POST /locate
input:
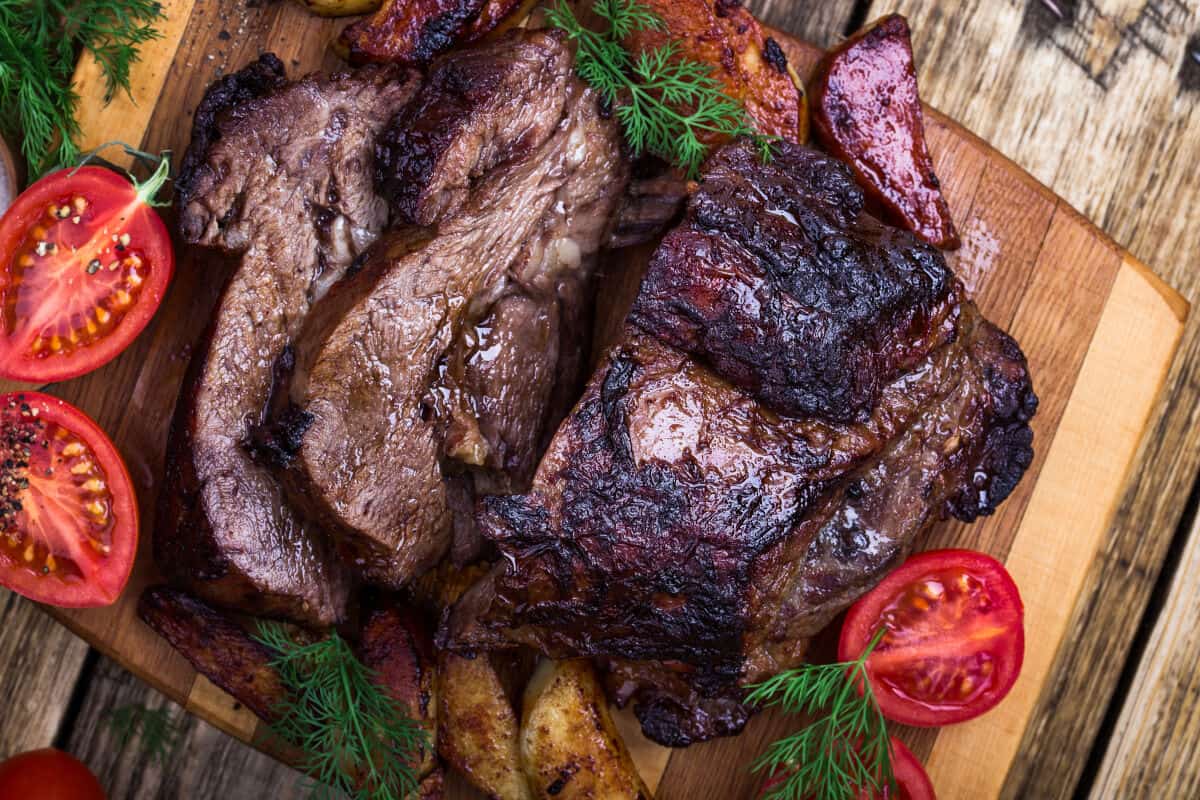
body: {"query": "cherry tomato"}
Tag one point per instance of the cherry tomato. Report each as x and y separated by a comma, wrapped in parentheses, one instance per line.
(68, 513)
(911, 780)
(47, 775)
(84, 264)
(953, 641)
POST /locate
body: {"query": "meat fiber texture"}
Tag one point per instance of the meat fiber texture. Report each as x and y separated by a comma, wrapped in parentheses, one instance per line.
(800, 391)
(438, 370)
(279, 175)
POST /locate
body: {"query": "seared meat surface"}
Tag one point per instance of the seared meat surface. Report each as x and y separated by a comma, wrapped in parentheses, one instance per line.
(440, 368)
(280, 174)
(799, 392)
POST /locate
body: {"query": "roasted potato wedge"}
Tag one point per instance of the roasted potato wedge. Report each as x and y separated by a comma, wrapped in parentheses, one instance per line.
(478, 735)
(866, 111)
(217, 646)
(569, 746)
(497, 17)
(396, 645)
(340, 8)
(752, 67)
(412, 32)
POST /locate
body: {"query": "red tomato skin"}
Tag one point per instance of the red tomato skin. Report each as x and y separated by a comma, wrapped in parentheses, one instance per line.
(125, 536)
(862, 621)
(911, 779)
(48, 775)
(25, 212)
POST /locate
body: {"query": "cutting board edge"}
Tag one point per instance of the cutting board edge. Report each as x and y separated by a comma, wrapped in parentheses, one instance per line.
(1174, 303)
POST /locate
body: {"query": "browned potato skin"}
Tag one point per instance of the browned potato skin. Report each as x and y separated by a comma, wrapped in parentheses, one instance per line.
(752, 68)
(340, 8)
(412, 32)
(569, 746)
(497, 17)
(396, 645)
(478, 735)
(218, 647)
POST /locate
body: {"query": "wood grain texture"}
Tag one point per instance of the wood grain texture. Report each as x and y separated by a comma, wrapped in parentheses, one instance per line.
(1155, 745)
(1098, 104)
(41, 663)
(1035, 287)
(207, 763)
(822, 23)
(126, 115)
(1009, 218)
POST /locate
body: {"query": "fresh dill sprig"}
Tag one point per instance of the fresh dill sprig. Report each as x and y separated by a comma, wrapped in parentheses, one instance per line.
(157, 733)
(664, 101)
(40, 42)
(356, 738)
(845, 751)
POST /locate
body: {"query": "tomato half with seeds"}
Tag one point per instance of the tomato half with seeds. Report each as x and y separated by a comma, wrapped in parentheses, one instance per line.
(953, 637)
(912, 782)
(68, 513)
(84, 264)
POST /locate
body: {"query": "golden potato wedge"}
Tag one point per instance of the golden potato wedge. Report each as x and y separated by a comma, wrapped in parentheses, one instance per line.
(498, 16)
(753, 68)
(569, 746)
(412, 32)
(478, 731)
(340, 8)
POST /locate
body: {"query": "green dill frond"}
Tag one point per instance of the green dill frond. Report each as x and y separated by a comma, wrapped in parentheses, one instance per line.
(845, 750)
(40, 42)
(356, 738)
(665, 102)
(156, 731)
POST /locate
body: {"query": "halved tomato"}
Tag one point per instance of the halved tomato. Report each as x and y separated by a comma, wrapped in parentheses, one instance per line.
(953, 640)
(68, 513)
(912, 783)
(84, 264)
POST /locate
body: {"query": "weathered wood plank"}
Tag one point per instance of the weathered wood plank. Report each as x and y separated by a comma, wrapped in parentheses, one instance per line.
(207, 763)
(821, 23)
(1155, 745)
(39, 664)
(1099, 102)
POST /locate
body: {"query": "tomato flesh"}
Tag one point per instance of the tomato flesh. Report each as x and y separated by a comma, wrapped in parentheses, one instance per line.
(68, 516)
(953, 637)
(912, 783)
(47, 774)
(84, 264)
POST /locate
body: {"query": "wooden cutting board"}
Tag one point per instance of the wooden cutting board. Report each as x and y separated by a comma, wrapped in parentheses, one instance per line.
(1098, 327)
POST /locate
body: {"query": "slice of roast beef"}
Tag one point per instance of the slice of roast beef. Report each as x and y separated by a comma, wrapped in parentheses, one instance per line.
(799, 392)
(281, 175)
(441, 367)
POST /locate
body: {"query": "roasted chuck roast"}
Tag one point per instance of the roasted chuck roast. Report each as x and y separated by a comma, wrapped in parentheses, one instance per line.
(281, 175)
(799, 392)
(441, 368)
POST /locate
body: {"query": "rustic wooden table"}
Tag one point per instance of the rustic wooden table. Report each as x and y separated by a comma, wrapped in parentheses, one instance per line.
(1098, 99)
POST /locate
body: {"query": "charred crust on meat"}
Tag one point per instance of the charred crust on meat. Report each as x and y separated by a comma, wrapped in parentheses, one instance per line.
(258, 78)
(773, 54)
(612, 392)
(668, 722)
(713, 502)
(439, 33)
(414, 166)
(818, 313)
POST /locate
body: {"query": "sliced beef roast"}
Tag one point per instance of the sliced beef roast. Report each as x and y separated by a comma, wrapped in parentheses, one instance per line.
(280, 174)
(441, 367)
(799, 392)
